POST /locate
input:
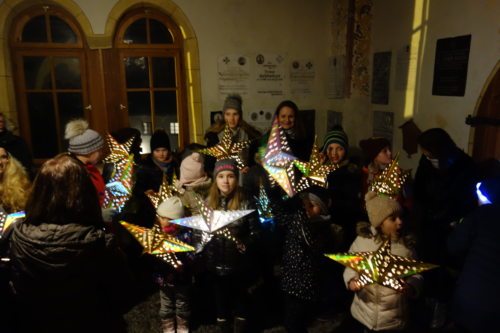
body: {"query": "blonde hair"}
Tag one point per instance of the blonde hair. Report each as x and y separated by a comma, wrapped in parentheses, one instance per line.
(14, 186)
(235, 199)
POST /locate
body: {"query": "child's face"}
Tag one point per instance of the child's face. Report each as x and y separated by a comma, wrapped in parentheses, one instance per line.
(312, 210)
(384, 156)
(392, 226)
(226, 182)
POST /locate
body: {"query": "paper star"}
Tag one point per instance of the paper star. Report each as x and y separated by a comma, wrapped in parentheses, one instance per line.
(314, 170)
(264, 206)
(166, 191)
(117, 151)
(381, 266)
(227, 148)
(390, 181)
(278, 160)
(7, 220)
(211, 220)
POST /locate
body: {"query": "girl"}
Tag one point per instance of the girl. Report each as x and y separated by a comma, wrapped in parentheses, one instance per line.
(376, 307)
(229, 261)
(378, 156)
(14, 183)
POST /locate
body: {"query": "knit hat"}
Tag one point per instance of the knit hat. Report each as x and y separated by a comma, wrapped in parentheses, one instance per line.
(82, 139)
(233, 102)
(379, 207)
(171, 208)
(226, 164)
(192, 168)
(372, 146)
(160, 140)
(318, 196)
(336, 135)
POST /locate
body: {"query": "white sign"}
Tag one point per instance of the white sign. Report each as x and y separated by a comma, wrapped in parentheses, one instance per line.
(302, 74)
(269, 70)
(234, 74)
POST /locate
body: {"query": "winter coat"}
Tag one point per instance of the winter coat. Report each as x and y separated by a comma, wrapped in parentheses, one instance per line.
(375, 306)
(476, 241)
(189, 193)
(67, 278)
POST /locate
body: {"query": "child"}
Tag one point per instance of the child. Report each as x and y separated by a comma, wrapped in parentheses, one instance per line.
(377, 307)
(174, 293)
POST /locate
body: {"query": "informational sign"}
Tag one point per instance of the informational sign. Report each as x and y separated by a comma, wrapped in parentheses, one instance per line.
(270, 73)
(302, 74)
(234, 74)
(383, 124)
(380, 78)
(450, 67)
(336, 77)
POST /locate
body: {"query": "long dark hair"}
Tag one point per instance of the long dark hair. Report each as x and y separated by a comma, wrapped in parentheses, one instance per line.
(63, 193)
(298, 126)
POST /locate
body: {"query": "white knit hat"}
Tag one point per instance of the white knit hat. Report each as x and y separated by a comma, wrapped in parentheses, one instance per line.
(171, 208)
(82, 139)
(380, 207)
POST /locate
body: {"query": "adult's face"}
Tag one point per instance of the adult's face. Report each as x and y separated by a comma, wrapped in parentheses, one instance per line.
(4, 160)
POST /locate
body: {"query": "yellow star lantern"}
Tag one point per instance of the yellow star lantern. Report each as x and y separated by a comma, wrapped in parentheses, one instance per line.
(314, 170)
(390, 181)
(158, 243)
(117, 152)
(166, 191)
(381, 266)
(227, 149)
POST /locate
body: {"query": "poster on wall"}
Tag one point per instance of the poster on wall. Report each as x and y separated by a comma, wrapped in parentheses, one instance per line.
(233, 74)
(270, 72)
(383, 123)
(380, 77)
(334, 118)
(336, 77)
(302, 74)
(450, 66)
(261, 119)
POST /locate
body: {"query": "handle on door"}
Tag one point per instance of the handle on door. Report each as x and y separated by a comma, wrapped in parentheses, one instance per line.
(123, 107)
(88, 107)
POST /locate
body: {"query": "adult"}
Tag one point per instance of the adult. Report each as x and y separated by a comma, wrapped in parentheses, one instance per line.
(67, 273)
(14, 183)
(444, 192)
(15, 145)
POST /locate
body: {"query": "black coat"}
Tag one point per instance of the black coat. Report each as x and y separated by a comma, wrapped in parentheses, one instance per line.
(67, 278)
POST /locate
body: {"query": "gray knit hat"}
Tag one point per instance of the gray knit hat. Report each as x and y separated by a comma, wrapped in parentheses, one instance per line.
(233, 102)
(82, 139)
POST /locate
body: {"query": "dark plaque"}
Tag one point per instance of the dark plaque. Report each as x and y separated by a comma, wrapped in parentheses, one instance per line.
(380, 79)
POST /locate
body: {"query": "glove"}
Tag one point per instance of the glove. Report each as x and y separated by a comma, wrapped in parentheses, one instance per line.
(108, 213)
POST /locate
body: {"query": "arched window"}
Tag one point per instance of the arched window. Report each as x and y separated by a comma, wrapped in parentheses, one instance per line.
(149, 46)
(48, 56)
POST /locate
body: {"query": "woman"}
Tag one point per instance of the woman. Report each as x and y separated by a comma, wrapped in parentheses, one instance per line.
(67, 274)
(14, 183)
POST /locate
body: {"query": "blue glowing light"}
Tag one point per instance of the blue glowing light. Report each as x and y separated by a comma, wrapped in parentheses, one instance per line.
(483, 199)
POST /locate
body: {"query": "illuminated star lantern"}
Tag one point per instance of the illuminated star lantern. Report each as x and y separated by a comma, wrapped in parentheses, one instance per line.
(7, 220)
(166, 191)
(381, 266)
(117, 151)
(158, 243)
(314, 170)
(211, 220)
(278, 160)
(390, 181)
(227, 148)
(264, 206)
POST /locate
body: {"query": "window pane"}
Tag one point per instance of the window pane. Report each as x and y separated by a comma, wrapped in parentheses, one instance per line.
(35, 30)
(42, 124)
(37, 72)
(67, 72)
(139, 115)
(136, 71)
(61, 31)
(166, 113)
(164, 72)
(136, 33)
(159, 34)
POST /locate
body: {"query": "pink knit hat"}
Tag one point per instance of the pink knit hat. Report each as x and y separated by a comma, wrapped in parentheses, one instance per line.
(192, 168)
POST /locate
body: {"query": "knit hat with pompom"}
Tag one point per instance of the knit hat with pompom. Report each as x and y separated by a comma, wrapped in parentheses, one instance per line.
(82, 139)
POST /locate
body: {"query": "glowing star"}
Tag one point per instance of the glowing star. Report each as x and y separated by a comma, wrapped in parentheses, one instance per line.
(7, 220)
(314, 170)
(264, 206)
(278, 160)
(166, 191)
(390, 181)
(381, 266)
(227, 149)
(211, 220)
(117, 151)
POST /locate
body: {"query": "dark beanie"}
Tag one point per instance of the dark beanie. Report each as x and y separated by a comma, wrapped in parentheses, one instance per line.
(160, 140)
(226, 165)
(372, 146)
(233, 102)
(336, 135)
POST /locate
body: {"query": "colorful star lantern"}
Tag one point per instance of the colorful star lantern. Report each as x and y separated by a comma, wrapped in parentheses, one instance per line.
(264, 207)
(158, 243)
(314, 170)
(227, 148)
(166, 191)
(7, 220)
(381, 266)
(390, 181)
(211, 220)
(278, 160)
(119, 188)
